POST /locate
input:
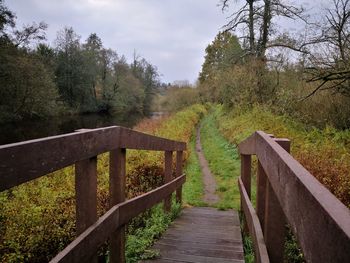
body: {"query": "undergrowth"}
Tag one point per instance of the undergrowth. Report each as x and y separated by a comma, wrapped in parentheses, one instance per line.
(37, 219)
(224, 163)
(194, 188)
(141, 238)
(324, 152)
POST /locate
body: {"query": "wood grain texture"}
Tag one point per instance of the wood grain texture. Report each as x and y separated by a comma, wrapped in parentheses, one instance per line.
(247, 147)
(312, 211)
(168, 173)
(202, 235)
(178, 172)
(255, 230)
(86, 193)
(261, 181)
(274, 226)
(86, 244)
(25, 161)
(117, 181)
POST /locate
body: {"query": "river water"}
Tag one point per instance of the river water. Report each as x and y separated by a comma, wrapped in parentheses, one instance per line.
(32, 129)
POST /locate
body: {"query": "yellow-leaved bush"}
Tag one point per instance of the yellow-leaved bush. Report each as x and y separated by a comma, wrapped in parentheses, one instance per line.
(324, 152)
(37, 219)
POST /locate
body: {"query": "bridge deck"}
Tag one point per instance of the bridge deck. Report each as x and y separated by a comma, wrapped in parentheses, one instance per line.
(202, 235)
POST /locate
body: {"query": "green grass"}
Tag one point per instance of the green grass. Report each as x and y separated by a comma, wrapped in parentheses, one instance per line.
(224, 163)
(37, 219)
(142, 238)
(325, 153)
(193, 188)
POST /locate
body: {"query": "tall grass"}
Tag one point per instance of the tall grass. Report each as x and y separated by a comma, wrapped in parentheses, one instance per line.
(324, 152)
(37, 219)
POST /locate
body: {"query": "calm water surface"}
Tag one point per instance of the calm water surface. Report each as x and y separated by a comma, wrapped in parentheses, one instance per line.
(27, 130)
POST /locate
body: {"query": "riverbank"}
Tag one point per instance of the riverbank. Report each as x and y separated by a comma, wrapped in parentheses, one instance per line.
(37, 218)
(23, 130)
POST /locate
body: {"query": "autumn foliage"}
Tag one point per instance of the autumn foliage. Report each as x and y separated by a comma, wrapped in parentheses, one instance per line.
(37, 219)
(324, 152)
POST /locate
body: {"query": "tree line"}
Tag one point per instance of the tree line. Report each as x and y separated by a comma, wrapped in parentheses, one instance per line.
(72, 76)
(255, 60)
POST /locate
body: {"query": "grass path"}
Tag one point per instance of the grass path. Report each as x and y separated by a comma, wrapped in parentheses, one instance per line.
(223, 161)
(210, 197)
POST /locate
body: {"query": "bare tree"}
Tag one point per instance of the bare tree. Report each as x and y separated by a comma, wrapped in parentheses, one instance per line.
(330, 66)
(255, 18)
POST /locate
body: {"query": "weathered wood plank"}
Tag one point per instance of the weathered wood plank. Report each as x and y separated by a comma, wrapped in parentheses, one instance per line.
(178, 172)
(246, 164)
(274, 226)
(86, 196)
(86, 244)
(131, 139)
(195, 245)
(86, 193)
(196, 251)
(168, 173)
(261, 255)
(176, 256)
(117, 177)
(25, 161)
(312, 211)
(247, 147)
(235, 234)
(195, 240)
(202, 245)
(261, 194)
(204, 240)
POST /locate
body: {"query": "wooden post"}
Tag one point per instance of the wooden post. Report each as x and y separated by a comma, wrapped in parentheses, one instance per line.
(261, 194)
(117, 176)
(246, 166)
(274, 225)
(168, 163)
(86, 195)
(179, 160)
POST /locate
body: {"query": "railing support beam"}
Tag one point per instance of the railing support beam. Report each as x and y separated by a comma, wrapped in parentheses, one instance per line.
(86, 195)
(179, 163)
(261, 194)
(168, 170)
(117, 176)
(274, 218)
(246, 166)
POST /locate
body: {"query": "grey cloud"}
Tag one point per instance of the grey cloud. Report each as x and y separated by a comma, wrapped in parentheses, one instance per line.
(171, 34)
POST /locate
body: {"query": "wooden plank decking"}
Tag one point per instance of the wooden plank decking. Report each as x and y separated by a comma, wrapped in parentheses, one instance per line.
(202, 235)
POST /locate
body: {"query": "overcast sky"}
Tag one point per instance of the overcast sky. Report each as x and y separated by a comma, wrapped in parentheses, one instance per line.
(171, 34)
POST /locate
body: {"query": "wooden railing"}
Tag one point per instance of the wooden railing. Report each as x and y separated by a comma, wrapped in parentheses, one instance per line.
(26, 161)
(288, 193)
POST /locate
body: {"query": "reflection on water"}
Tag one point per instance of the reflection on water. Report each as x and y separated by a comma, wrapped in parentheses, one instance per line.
(27, 130)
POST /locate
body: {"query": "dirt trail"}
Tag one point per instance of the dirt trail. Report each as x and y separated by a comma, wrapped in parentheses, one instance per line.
(209, 182)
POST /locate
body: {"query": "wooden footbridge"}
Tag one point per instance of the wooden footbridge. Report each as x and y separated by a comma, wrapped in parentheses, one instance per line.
(286, 194)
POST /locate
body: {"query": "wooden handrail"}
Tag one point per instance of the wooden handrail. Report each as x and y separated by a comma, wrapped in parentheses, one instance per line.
(253, 225)
(86, 244)
(26, 161)
(318, 219)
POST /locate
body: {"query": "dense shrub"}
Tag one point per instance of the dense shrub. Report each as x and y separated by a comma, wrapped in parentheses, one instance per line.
(37, 219)
(324, 152)
(283, 90)
(178, 98)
